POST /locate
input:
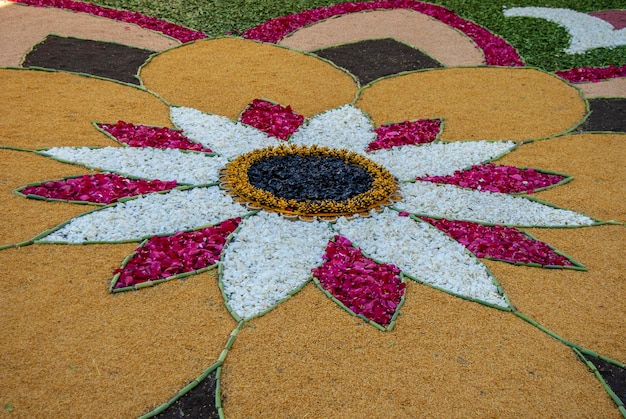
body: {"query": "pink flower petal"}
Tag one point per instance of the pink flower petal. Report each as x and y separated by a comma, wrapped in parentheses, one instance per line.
(492, 178)
(592, 74)
(405, 133)
(499, 242)
(370, 289)
(273, 119)
(163, 257)
(146, 136)
(101, 188)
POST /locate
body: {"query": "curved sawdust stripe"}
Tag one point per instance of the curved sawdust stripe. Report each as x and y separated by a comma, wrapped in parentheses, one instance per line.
(408, 372)
(587, 308)
(45, 109)
(74, 350)
(23, 219)
(23, 27)
(606, 88)
(596, 161)
(223, 76)
(478, 103)
(445, 44)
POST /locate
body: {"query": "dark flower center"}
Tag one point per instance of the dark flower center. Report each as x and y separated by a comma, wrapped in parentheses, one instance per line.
(309, 177)
(309, 182)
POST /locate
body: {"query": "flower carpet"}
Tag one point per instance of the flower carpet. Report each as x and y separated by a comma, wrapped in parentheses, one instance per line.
(362, 210)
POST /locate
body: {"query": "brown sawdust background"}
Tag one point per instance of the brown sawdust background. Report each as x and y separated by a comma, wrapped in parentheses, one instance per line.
(132, 352)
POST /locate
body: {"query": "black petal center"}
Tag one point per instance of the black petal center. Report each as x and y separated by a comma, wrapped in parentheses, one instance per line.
(309, 177)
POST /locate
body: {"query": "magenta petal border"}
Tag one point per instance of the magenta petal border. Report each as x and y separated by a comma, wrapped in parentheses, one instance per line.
(170, 29)
(497, 51)
(592, 74)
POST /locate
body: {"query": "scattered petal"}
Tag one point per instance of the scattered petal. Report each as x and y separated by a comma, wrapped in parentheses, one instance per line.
(438, 159)
(503, 179)
(273, 119)
(500, 242)
(149, 215)
(268, 259)
(162, 257)
(427, 254)
(148, 163)
(101, 188)
(345, 127)
(421, 131)
(223, 136)
(372, 290)
(146, 136)
(454, 203)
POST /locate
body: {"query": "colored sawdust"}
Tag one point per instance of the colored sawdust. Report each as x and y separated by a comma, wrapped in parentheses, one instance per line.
(233, 72)
(308, 357)
(519, 103)
(440, 41)
(72, 349)
(22, 27)
(596, 161)
(58, 109)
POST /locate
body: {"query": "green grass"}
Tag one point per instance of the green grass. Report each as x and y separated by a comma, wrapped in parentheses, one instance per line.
(539, 42)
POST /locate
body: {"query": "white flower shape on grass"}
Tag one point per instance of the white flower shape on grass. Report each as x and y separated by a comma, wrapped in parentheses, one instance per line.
(586, 32)
(270, 257)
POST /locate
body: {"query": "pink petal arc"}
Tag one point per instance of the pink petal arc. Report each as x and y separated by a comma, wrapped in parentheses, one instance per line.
(592, 74)
(405, 133)
(493, 178)
(163, 257)
(273, 119)
(101, 188)
(170, 29)
(496, 50)
(369, 289)
(499, 242)
(146, 136)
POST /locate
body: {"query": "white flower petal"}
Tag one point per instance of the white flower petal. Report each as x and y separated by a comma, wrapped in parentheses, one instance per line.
(438, 159)
(456, 203)
(225, 137)
(422, 252)
(147, 163)
(150, 215)
(344, 127)
(268, 259)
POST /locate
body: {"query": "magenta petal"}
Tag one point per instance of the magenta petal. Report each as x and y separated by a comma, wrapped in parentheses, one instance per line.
(405, 133)
(503, 179)
(163, 257)
(101, 188)
(499, 242)
(273, 119)
(592, 74)
(147, 136)
(372, 290)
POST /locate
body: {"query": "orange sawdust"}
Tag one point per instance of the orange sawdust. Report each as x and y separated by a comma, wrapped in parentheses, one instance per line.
(446, 357)
(233, 72)
(478, 103)
(586, 308)
(72, 349)
(57, 109)
(596, 161)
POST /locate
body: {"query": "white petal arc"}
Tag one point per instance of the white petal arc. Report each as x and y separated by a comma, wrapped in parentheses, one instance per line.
(345, 127)
(268, 259)
(424, 253)
(150, 215)
(438, 159)
(454, 203)
(145, 162)
(225, 137)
